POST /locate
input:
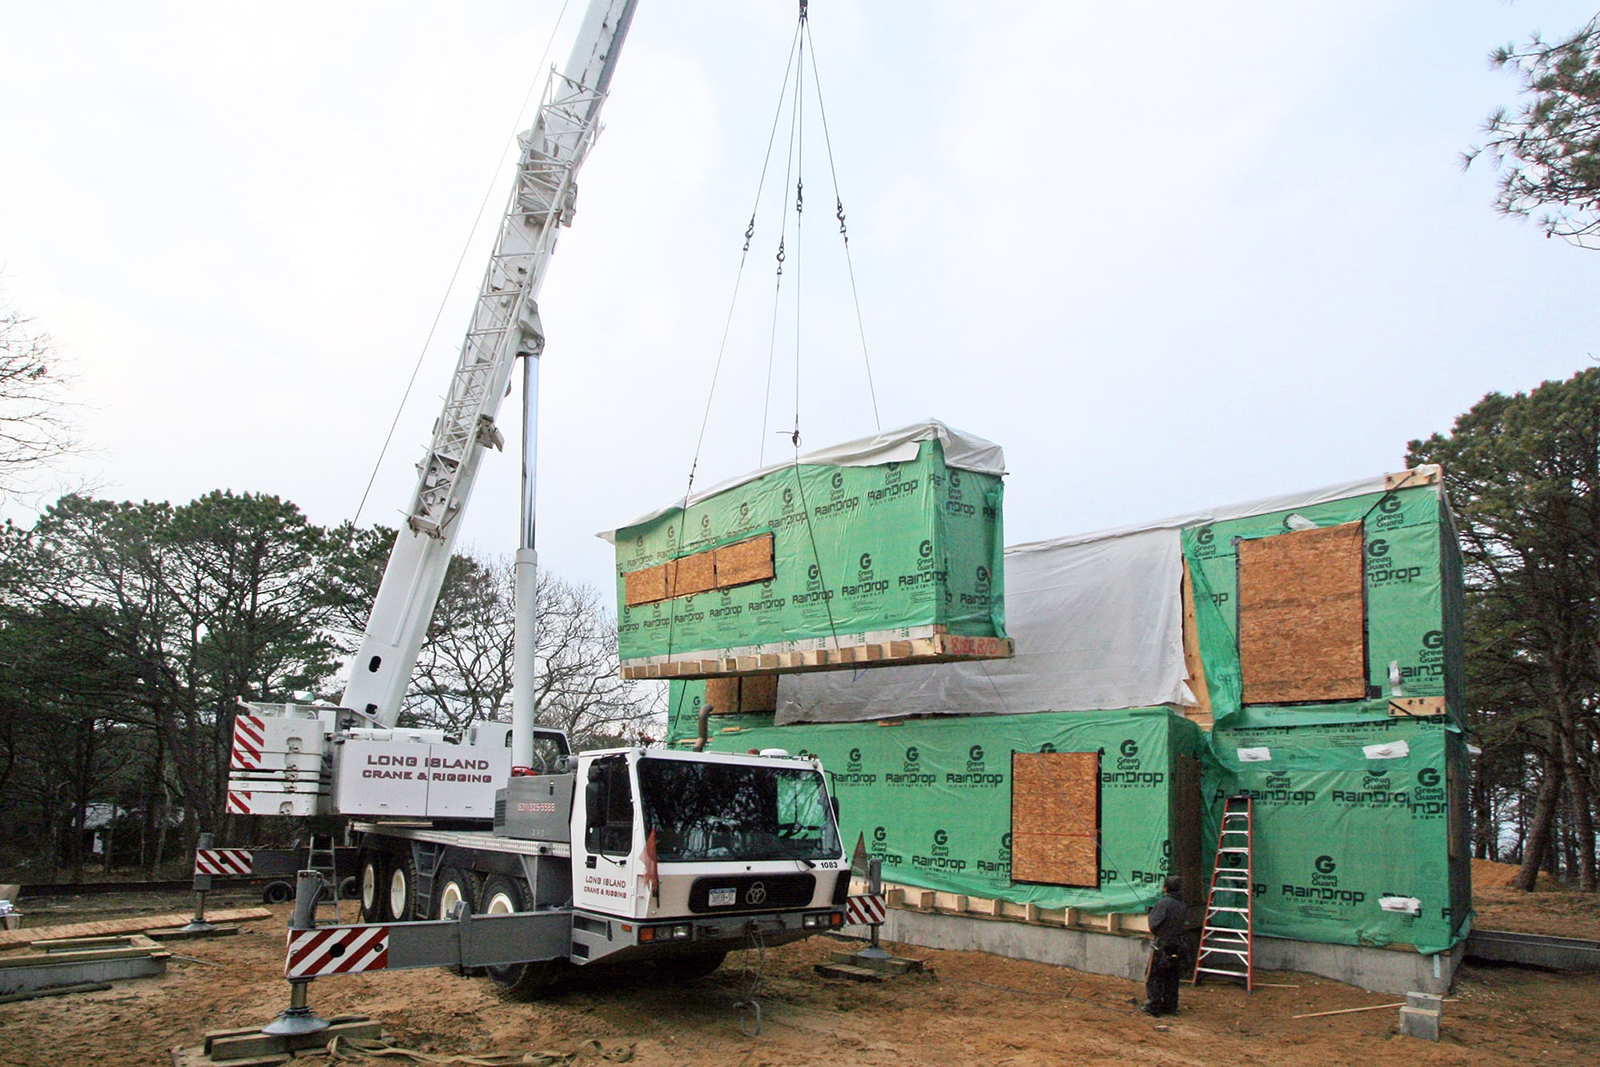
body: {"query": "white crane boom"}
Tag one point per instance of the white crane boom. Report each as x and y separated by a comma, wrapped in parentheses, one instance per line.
(505, 325)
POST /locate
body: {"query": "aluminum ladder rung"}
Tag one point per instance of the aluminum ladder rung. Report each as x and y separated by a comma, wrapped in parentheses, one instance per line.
(1232, 877)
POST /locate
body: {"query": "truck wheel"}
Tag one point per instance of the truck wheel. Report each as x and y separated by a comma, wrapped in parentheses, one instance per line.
(372, 884)
(452, 887)
(401, 898)
(516, 981)
(279, 892)
(685, 968)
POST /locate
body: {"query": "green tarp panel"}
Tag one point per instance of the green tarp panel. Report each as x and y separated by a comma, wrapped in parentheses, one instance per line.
(1352, 825)
(881, 550)
(932, 797)
(1413, 603)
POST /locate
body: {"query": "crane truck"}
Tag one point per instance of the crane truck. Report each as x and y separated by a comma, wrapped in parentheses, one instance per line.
(499, 847)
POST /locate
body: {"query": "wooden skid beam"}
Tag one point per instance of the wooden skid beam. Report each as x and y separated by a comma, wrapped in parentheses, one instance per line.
(940, 648)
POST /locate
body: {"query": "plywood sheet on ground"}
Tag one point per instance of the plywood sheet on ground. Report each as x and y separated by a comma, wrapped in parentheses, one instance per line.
(137, 924)
(1302, 616)
(1055, 817)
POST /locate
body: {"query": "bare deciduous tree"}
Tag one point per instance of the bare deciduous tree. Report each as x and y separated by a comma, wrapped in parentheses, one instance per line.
(34, 429)
(464, 672)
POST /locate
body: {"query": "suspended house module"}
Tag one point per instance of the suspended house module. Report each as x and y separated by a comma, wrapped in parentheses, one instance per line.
(886, 550)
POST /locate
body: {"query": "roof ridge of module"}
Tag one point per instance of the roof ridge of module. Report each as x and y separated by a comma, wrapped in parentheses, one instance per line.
(962, 450)
(1260, 506)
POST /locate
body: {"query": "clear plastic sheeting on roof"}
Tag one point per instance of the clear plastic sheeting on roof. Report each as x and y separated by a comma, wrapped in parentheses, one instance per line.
(962, 450)
(1098, 624)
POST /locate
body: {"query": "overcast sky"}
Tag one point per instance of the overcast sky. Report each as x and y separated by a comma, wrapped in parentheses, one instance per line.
(1168, 254)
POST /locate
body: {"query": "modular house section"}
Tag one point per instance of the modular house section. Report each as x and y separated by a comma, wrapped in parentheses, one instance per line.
(887, 550)
(1305, 650)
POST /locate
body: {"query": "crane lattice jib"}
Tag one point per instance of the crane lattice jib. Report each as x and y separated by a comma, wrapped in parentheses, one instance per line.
(505, 324)
(505, 320)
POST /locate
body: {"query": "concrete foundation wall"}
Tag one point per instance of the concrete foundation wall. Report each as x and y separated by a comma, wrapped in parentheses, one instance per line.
(1126, 955)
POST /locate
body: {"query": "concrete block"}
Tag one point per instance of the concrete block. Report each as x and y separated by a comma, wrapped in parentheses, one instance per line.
(1419, 1023)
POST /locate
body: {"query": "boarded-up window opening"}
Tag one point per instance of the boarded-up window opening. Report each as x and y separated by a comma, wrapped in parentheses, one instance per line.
(742, 694)
(723, 567)
(1055, 818)
(1302, 616)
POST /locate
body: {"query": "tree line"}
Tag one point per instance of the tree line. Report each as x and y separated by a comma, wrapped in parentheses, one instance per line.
(129, 632)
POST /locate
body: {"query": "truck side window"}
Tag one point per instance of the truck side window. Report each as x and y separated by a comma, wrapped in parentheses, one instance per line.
(608, 824)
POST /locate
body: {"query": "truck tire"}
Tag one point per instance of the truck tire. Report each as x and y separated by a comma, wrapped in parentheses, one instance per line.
(373, 882)
(686, 968)
(450, 887)
(400, 900)
(503, 895)
(278, 892)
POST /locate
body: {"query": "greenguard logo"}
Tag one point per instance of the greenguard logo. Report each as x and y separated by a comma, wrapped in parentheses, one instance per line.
(638, 543)
(955, 479)
(866, 583)
(672, 533)
(1278, 790)
(1433, 639)
(705, 522)
(1047, 747)
(880, 848)
(838, 504)
(1377, 791)
(1130, 770)
(1381, 570)
(1428, 797)
(976, 775)
(1324, 887)
(979, 598)
(854, 773)
(765, 601)
(911, 772)
(895, 486)
(814, 593)
(1205, 543)
(953, 504)
(788, 495)
(938, 857)
(1000, 866)
(1389, 514)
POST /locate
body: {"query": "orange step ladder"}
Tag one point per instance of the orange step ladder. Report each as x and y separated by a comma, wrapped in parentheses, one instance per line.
(1227, 939)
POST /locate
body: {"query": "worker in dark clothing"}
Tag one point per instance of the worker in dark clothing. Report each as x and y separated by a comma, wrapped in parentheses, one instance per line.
(1169, 921)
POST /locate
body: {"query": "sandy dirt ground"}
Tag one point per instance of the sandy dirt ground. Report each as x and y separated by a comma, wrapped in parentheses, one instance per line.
(972, 1009)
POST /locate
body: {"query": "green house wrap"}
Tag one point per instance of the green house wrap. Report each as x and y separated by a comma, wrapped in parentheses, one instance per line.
(882, 550)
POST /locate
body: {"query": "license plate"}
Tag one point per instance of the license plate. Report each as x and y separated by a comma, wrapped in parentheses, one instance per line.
(721, 898)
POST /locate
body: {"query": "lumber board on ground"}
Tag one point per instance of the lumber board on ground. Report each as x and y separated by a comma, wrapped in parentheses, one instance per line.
(133, 925)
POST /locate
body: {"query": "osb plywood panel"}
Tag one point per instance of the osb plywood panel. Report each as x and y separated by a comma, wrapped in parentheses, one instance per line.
(723, 695)
(1302, 616)
(745, 561)
(1193, 664)
(1055, 818)
(645, 586)
(691, 574)
(758, 692)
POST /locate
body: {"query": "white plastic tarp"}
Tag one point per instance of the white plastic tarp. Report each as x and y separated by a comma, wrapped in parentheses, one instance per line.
(962, 450)
(1098, 625)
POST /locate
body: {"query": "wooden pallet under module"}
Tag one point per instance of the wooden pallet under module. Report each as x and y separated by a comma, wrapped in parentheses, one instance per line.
(936, 648)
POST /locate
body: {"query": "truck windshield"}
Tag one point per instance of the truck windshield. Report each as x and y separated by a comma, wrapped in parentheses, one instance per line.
(714, 811)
